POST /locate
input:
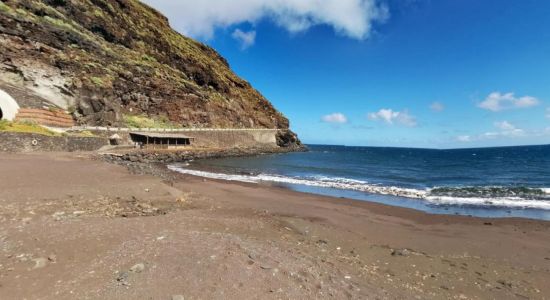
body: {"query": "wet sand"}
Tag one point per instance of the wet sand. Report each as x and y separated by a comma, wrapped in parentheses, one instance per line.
(76, 228)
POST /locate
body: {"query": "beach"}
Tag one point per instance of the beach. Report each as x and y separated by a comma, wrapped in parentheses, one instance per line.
(75, 227)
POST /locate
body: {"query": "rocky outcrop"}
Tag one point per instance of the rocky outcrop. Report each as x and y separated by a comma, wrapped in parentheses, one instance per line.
(103, 60)
(147, 157)
(288, 139)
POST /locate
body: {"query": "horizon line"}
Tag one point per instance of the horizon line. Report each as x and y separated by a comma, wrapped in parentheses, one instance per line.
(424, 148)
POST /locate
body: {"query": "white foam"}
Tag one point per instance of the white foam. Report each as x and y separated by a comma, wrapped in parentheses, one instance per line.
(230, 177)
(509, 202)
(363, 186)
(317, 181)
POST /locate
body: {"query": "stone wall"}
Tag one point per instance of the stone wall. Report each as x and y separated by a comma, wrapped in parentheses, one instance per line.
(230, 139)
(31, 142)
(208, 138)
(167, 156)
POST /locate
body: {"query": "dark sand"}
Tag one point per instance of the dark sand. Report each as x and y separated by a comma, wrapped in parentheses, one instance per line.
(74, 228)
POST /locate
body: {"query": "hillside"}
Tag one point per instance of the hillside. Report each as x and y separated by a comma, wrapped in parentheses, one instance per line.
(110, 61)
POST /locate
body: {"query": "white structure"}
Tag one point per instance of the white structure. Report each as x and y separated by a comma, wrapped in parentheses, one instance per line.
(8, 107)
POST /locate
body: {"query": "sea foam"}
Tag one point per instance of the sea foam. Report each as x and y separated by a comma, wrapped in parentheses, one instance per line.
(460, 196)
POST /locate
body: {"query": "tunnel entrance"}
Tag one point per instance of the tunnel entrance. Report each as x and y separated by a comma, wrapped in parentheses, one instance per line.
(8, 107)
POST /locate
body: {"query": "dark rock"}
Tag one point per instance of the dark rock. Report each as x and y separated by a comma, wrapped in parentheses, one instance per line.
(401, 252)
(122, 278)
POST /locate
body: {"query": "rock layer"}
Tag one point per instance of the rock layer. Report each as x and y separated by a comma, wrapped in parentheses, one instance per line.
(105, 60)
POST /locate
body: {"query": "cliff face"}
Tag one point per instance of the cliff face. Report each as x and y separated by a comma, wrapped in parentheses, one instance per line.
(108, 60)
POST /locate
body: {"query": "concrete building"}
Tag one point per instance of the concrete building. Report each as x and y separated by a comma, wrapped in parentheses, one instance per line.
(155, 140)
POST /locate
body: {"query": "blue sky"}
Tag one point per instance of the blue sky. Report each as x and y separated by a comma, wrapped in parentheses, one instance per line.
(420, 73)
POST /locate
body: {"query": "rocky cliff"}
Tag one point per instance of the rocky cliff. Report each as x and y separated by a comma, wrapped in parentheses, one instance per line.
(106, 61)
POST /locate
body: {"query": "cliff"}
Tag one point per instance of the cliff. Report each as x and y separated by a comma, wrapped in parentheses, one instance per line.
(111, 62)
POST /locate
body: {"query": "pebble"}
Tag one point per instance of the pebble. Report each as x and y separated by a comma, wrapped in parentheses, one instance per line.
(40, 262)
(122, 278)
(52, 258)
(137, 268)
(401, 252)
(178, 297)
(58, 216)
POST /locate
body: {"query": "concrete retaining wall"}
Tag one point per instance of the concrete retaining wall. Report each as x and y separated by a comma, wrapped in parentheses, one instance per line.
(215, 138)
(227, 139)
(31, 142)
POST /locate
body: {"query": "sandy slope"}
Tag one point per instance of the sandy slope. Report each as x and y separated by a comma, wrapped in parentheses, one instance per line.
(73, 228)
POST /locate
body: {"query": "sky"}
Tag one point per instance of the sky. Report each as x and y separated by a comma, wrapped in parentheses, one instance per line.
(410, 73)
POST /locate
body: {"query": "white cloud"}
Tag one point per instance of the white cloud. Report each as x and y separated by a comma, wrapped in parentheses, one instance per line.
(437, 106)
(504, 125)
(497, 101)
(548, 113)
(246, 39)
(391, 117)
(351, 18)
(505, 130)
(335, 118)
(464, 138)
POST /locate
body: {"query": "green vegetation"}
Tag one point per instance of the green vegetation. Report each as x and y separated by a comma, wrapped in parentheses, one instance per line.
(49, 10)
(71, 109)
(98, 13)
(105, 81)
(60, 23)
(54, 109)
(4, 7)
(97, 81)
(92, 65)
(21, 12)
(85, 133)
(148, 58)
(146, 122)
(25, 127)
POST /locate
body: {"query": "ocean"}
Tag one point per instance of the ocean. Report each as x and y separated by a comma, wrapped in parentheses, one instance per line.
(484, 182)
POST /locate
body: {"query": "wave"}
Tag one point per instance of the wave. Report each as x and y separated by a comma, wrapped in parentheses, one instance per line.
(503, 202)
(317, 181)
(504, 197)
(491, 192)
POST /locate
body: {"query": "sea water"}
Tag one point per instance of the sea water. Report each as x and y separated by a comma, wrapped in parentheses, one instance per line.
(487, 182)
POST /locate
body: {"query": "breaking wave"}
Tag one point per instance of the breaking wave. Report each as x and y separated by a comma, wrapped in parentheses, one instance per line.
(504, 197)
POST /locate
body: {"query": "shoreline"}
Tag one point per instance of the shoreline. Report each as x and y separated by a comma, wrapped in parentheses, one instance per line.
(378, 207)
(100, 230)
(158, 166)
(419, 200)
(149, 163)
